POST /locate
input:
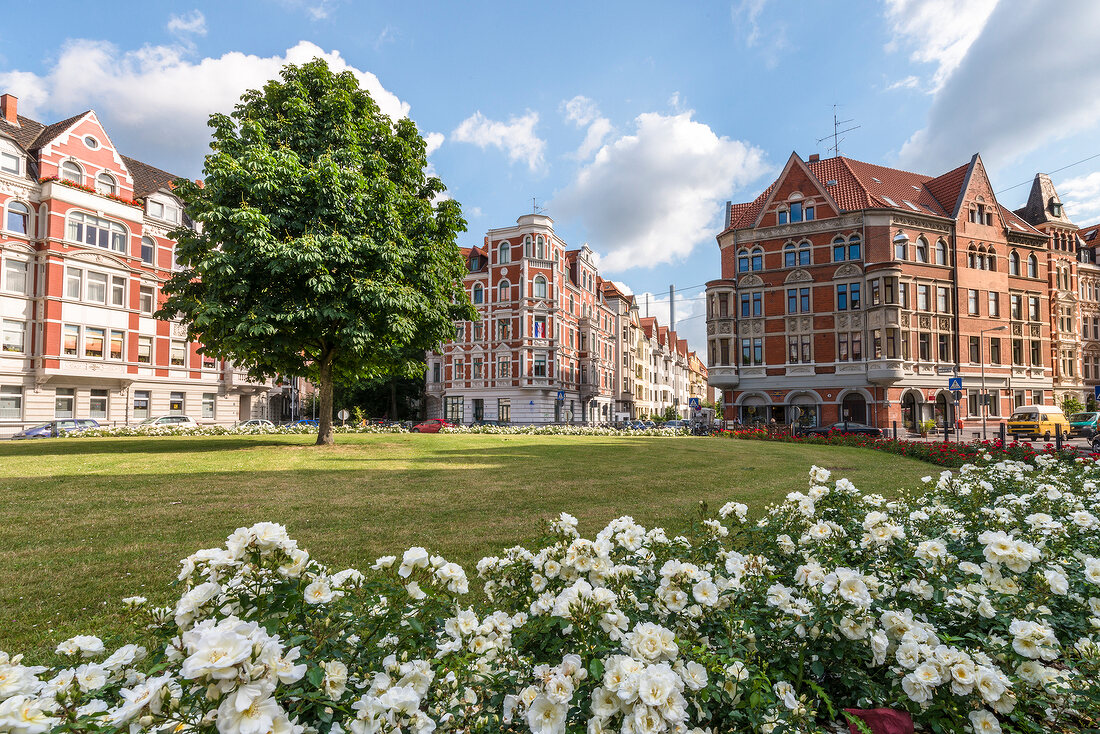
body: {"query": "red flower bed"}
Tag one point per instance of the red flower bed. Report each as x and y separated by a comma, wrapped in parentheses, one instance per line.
(940, 453)
(91, 190)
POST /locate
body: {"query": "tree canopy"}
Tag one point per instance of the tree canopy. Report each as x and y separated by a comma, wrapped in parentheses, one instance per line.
(322, 249)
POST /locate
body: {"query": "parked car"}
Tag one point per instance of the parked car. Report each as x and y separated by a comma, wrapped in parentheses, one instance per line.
(1083, 424)
(303, 422)
(845, 427)
(677, 424)
(431, 426)
(169, 420)
(260, 422)
(1038, 421)
(53, 429)
(637, 426)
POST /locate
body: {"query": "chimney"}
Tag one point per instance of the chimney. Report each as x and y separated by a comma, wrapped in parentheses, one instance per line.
(814, 158)
(9, 106)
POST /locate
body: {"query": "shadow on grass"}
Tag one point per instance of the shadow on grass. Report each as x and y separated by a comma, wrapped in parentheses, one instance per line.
(143, 445)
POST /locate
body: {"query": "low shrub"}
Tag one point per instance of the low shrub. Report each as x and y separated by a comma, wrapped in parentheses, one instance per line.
(972, 602)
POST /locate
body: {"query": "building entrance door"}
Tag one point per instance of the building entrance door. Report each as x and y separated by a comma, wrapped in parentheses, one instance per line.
(244, 412)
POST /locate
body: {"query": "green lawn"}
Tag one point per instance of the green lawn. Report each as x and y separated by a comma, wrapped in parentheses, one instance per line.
(86, 522)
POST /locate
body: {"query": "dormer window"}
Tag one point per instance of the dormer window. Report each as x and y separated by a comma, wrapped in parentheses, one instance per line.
(1056, 208)
(9, 159)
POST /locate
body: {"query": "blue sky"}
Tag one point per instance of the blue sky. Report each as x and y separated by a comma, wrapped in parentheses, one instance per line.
(630, 123)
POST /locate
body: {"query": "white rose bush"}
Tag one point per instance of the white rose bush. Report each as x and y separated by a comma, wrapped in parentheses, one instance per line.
(972, 603)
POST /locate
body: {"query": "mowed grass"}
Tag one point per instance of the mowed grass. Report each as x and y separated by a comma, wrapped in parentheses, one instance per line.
(86, 522)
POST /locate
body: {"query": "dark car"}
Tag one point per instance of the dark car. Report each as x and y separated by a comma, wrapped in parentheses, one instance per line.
(56, 428)
(845, 427)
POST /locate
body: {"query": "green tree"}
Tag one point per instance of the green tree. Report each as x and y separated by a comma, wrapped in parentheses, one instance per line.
(324, 250)
(1071, 405)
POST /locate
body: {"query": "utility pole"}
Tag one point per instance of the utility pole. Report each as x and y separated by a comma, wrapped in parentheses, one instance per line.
(647, 305)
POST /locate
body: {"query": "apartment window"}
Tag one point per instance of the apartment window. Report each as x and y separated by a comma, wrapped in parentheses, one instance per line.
(148, 251)
(842, 297)
(15, 275)
(504, 329)
(892, 344)
(97, 404)
(539, 287)
(19, 215)
(945, 348)
(9, 162)
(758, 351)
(1018, 351)
(900, 248)
(1036, 354)
(799, 349)
(208, 401)
(64, 399)
(943, 305)
(146, 299)
(941, 252)
(539, 366)
(477, 331)
(757, 260)
(14, 337)
(809, 213)
(743, 262)
(994, 304)
(11, 402)
(972, 404)
(746, 304)
(141, 404)
(792, 300)
(876, 343)
(724, 350)
(975, 350)
(105, 184)
(117, 339)
(74, 283)
(757, 304)
(504, 253)
(1016, 306)
(995, 350)
(922, 297)
(479, 293)
(504, 367)
(118, 290)
(1033, 308)
(96, 289)
(175, 403)
(790, 256)
(972, 307)
(455, 408)
(71, 171)
(1032, 267)
(850, 346)
(539, 327)
(876, 292)
(854, 248)
(70, 340)
(459, 370)
(903, 293)
(177, 353)
(1037, 397)
(477, 368)
(91, 230)
(145, 350)
(93, 342)
(840, 249)
(922, 250)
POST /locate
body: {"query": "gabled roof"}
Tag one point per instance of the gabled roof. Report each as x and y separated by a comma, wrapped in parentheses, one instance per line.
(50, 132)
(1038, 209)
(1013, 221)
(148, 179)
(1090, 235)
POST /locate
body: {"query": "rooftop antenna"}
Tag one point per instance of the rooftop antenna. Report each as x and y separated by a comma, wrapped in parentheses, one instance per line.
(535, 208)
(837, 132)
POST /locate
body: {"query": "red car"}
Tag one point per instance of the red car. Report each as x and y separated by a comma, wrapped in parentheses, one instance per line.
(431, 426)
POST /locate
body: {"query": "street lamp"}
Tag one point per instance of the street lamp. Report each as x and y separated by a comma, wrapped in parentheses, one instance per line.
(981, 356)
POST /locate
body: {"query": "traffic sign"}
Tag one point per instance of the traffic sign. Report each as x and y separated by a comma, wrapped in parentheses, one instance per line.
(694, 403)
(561, 394)
(955, 383)
(1096, 392)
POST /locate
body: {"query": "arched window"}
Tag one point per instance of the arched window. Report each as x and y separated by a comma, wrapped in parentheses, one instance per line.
(527, 249)
(504, 290)
(539, 287)
(922, 250)
(854, 248)
(19, 216)
(758, 259)
(1013, 263)
(479, 293)
(839, 249)
(92, 230)
(743, 262)
(504, 253)
(71, 171)
(981, 258)
(148, 251)
(105, 184)
(971, 257)
(790, 255)
(1032, 267)
(540, 248)
(941, 252)
(991, 259)
(805, 253)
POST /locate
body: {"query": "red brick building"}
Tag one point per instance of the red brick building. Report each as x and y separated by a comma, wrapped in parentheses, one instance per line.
(84, 252)
(855, 291)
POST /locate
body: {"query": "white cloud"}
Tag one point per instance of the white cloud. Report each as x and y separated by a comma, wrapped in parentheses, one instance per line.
(770, 37)
(939, 32)
(516, 137)
(626, 290)
(158, 98)
(909, 82)
(650, 197)
(1031, 77)
(433, 141)
(582, 111)
(1081, 197)
(187, 24)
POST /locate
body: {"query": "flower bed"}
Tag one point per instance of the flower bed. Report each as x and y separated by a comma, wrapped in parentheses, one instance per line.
(973, 604)
(92, 190)
(177, 430)
(941, 453)
(565, 430)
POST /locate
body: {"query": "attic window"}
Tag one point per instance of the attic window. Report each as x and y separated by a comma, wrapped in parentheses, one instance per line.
(875, 180)
(91, 142)
(1056, 208)
(915, 188)
(831, 182)
(911, 205)
(889, 201)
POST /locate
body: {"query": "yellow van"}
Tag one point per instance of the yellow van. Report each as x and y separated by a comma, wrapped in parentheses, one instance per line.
(1038, 421)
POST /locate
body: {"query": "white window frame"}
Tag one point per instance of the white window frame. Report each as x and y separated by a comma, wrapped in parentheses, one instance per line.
(209, 405)
(11, 266)
(28, 213)
(105, 184)
(175, 344)
(14, 339)
(63, 174)
(11, 395)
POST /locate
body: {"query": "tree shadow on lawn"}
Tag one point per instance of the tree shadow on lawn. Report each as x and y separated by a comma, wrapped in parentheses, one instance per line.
(139, 445)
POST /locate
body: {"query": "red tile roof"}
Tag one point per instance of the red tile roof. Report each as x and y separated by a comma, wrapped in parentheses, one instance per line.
(1014, 221)
(1090, 234)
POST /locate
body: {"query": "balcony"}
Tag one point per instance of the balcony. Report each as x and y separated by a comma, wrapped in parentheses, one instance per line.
(885, 372)
(724, 376)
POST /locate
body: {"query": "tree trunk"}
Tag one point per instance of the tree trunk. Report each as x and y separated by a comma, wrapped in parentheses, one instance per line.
(325, 435)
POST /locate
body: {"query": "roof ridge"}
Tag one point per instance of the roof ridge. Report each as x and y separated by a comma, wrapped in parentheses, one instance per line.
(862, 184)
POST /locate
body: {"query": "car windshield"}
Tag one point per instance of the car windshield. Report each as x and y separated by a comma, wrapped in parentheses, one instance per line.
(39, 427)
(1025, 416)
(148, 421)
(1082, 417)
